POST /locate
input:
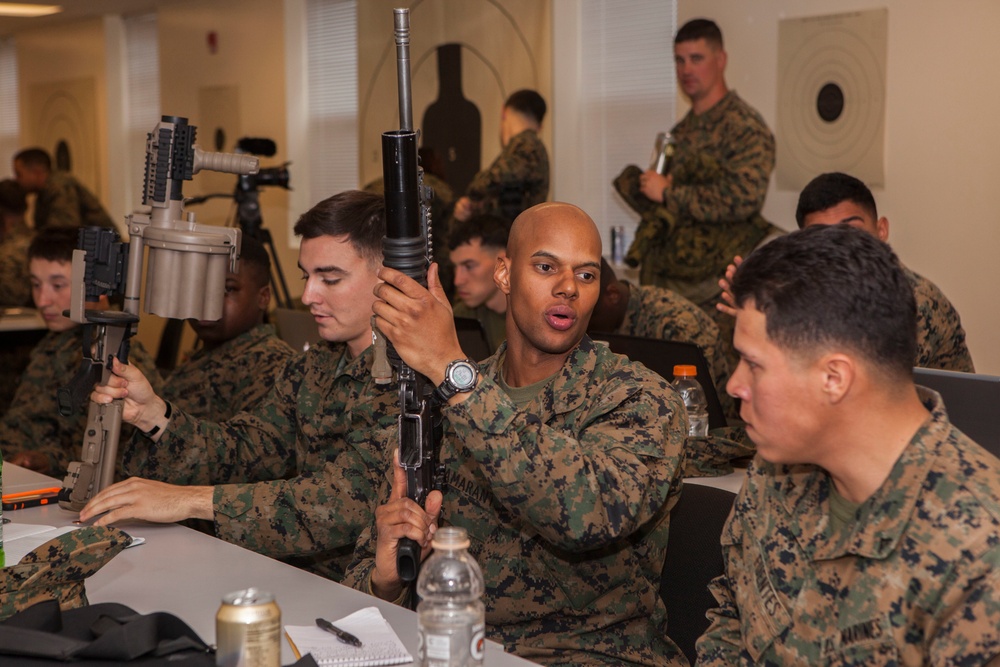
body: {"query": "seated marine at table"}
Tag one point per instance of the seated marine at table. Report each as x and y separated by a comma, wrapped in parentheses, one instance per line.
(562, 458)
(33, 433)
(648, 311)
(292, 478)
(475, 246)
(868, 528)
(834, 198)
(237, 356)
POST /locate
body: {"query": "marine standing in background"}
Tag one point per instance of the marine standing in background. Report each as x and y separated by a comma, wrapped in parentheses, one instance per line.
(519, 177)
(706, 209)
(60, 200)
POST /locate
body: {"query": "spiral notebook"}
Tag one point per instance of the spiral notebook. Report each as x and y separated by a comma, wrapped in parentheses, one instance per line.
(381, 645)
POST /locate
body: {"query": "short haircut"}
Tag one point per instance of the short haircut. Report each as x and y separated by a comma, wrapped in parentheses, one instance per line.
(35, 157)
(491, 231)
(358, 215)
(13, 198)
(829, 285)
(827, 190)
(696, 29)
(54, 244)
(529, 103)
(253, 256)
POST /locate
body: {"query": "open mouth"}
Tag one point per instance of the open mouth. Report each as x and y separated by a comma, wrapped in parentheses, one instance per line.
(560, 318)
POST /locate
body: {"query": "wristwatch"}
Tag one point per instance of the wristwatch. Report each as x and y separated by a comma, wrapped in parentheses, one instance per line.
(460, 376)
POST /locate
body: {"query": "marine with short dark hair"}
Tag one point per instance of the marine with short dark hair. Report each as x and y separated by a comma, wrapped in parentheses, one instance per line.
(474, 248)
(294, 477)
(61, 200)
(706, 209)
(519, 177)
(868, 528)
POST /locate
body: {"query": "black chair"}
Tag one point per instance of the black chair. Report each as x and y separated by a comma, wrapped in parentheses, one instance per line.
(694, 558)
(660, 356)
(972, 401)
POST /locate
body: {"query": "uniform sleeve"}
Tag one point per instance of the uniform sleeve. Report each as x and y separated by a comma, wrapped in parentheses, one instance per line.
(252, 446)
(15, 287)
(581, 490)
(969, 634)
(516, 164)
(940, 335)
(64, 210)
(721, 644)
(739, 189)
(325, 507)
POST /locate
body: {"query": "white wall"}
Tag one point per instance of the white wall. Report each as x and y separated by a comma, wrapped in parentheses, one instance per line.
(942, 192)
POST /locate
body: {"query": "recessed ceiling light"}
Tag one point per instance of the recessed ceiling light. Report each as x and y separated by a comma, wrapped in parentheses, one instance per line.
(25, 10)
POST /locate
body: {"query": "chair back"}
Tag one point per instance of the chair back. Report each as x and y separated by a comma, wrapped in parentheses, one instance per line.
(694, 558)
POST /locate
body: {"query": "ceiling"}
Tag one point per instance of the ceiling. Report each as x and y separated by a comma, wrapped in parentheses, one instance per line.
(74, 10)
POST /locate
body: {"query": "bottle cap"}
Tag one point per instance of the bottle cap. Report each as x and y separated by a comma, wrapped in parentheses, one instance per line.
(450, 538)
(685, 371)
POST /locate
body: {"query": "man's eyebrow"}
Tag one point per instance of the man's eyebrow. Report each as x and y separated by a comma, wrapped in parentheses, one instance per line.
(849, 219)
(323, 269)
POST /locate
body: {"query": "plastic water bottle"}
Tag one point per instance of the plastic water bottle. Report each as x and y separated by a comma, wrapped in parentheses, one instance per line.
(687, 385)
(451, 617)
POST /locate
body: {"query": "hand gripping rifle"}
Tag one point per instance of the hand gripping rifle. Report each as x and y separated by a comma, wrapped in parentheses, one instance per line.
(407, 248)
(186, 279)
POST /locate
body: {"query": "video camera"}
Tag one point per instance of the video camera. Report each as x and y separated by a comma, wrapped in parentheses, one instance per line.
(267, 176)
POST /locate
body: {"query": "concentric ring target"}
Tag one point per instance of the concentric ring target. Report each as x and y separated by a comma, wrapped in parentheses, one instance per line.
(831, 101)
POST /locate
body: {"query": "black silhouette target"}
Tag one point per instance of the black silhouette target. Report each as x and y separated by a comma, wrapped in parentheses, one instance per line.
(831, 104)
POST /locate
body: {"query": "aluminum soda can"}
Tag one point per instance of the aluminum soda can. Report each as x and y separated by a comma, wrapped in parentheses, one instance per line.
(248, 630)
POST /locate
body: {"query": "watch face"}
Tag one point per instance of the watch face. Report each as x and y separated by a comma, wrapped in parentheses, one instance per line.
(463, 375)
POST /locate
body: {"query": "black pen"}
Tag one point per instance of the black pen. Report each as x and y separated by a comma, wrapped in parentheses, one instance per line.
(343, 636)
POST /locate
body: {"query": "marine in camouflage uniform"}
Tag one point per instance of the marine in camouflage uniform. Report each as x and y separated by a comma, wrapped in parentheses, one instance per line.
(566, 500)
(296, 475)
(797, 591)
(940, 336)
(656, 312)
(219, 383)
(33, 421)
(65, 202)
(517, 180)
(15, 286)
(720, 169)
(494, 323)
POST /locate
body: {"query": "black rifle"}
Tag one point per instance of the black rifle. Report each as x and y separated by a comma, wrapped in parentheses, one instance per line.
(407, 248)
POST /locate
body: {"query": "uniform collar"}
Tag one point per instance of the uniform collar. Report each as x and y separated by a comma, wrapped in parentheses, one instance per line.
(564, 392)
(883, 518)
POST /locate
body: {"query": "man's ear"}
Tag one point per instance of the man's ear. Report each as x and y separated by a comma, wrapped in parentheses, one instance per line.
(613, 293)
(264, 298)
(839, 374)
(882, 229)
(501, 274)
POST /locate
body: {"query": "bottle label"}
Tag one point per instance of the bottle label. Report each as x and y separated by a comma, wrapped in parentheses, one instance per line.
(478, 648)
(438, 647)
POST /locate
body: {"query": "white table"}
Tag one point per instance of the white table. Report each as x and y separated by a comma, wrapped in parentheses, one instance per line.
(21, 319)
(186, 573)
